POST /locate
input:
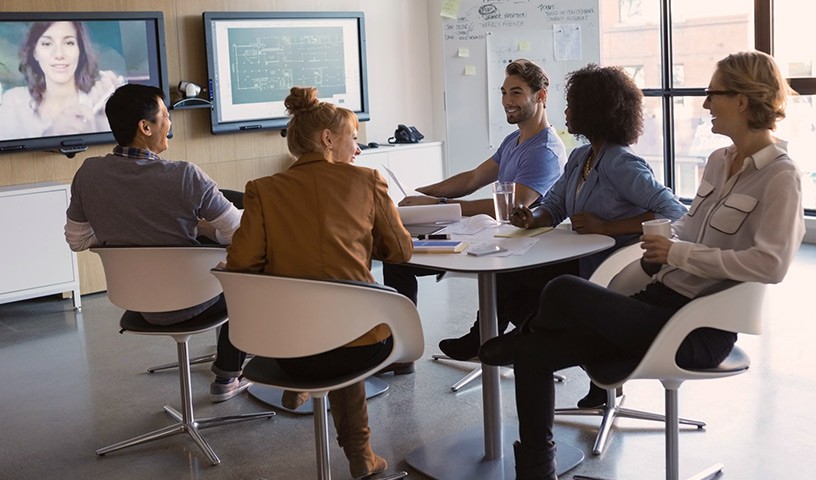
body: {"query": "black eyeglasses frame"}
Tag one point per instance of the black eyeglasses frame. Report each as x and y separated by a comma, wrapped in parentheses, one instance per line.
(711, 93)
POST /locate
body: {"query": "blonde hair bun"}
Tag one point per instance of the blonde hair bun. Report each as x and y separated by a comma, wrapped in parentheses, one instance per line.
(301, 99)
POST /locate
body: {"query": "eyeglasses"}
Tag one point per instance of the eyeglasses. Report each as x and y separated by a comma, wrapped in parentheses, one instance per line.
(710, 93)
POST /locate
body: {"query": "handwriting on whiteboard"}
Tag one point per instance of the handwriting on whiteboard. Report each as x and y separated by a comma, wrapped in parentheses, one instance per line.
(498, 14)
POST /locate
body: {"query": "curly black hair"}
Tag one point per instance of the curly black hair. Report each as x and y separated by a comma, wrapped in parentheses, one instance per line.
(605, 104)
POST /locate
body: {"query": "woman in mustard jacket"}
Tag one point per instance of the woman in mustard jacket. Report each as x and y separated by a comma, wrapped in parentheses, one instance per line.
(325, 218)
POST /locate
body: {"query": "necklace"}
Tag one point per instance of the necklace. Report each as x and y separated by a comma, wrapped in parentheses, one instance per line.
(587, 165)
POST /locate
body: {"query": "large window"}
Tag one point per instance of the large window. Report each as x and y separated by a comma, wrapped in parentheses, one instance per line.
(792, 38)
(645, 36)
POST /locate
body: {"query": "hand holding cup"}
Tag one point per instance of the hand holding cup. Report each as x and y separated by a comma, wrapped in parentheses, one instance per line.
(656, 240)
(658, 226)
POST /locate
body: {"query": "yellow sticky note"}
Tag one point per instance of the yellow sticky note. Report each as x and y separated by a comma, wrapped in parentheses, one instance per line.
(463, 52)
(450, 8)
(524, 46)
(470, 69)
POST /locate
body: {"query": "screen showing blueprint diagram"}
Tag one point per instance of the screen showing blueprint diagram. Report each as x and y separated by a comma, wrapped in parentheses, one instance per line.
(255, 58)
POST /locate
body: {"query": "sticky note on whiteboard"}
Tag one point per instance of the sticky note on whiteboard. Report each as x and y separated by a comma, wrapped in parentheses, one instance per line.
(524, 46)
(470, 69)
(463, 52)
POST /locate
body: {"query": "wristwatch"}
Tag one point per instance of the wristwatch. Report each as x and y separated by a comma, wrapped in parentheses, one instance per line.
(443, 200)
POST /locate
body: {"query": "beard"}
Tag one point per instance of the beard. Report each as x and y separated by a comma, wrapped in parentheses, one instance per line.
(523, 114)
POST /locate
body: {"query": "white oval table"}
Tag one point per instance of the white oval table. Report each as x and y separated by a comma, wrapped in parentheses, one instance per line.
(459, 456)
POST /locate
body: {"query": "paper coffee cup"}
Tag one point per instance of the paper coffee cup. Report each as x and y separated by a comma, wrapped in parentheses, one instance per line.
(658, 226)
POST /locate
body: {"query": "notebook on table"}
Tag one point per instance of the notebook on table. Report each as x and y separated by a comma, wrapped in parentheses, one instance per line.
(439, 246)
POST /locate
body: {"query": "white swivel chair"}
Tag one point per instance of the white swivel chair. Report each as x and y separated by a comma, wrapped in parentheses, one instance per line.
(235, 197)
(613, 408)
(163, 279)
(734, 307)
(283, 317)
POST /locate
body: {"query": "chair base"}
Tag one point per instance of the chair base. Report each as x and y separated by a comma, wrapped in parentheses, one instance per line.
(185, 420)
(476, 373)
(614, 409)
(709, 473)
(209, 358)
(192, 428)
(388, 476)
(193, 361)
(272, 395)
(461, 456)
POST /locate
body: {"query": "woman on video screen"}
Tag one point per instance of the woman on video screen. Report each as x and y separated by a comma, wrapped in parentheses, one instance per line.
(65, 91)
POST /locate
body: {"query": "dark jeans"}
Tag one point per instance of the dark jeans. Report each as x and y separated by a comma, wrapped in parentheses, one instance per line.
(516, 292)
(338, 362)
(402, 278)
(228, 360)
(579, 323)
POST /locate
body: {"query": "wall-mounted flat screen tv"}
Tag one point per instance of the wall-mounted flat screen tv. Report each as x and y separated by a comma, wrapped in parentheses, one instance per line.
(57, 70)
(254, 58)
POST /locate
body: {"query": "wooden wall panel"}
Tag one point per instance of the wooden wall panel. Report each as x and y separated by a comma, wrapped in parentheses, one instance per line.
(186, 60)
(231, 160)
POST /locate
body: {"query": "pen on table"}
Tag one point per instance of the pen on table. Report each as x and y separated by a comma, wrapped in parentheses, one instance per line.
(586, 477)
(434, 236)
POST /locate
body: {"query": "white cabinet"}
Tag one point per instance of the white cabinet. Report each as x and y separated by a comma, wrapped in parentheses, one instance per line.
(34, 259)
(415, 165)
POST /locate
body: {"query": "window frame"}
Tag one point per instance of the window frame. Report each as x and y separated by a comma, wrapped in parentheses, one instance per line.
(763, 41)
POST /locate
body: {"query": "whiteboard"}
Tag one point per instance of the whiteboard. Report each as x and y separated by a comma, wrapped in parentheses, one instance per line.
(561, 36)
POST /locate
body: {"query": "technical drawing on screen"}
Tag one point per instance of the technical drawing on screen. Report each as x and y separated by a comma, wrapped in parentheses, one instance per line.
(254, 58)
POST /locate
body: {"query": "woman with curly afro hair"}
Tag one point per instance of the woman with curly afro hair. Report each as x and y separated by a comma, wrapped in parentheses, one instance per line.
(606, 188)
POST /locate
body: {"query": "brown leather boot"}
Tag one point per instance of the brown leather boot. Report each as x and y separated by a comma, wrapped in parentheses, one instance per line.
(348, 409)
(292, 400)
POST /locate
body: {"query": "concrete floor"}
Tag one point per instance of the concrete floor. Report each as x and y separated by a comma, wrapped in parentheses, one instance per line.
(72, 384)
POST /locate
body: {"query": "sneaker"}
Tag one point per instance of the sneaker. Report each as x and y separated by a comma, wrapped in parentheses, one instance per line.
(220, 392)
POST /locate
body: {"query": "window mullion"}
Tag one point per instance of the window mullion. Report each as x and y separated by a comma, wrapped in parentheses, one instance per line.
(763, 26)
(666, 94)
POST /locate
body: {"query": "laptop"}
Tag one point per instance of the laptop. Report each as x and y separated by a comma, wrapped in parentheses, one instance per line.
(419, 229)
(423, 229)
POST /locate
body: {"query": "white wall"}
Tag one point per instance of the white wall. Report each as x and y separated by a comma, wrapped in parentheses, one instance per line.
(399, 67)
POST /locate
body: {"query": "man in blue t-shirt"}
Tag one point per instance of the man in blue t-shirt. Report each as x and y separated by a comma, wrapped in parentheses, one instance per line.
(533, 157)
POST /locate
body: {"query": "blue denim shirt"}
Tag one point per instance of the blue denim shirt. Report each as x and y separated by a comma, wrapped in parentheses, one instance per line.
(620, 185)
